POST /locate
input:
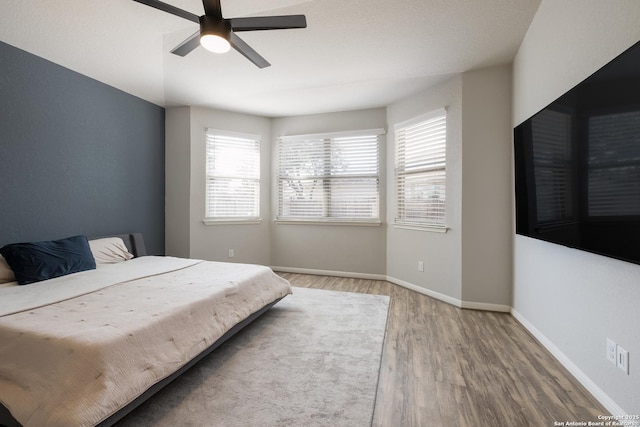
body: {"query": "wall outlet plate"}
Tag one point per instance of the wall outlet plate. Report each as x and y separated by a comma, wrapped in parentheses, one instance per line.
(611, 351)
(420, 266)
(623, 359)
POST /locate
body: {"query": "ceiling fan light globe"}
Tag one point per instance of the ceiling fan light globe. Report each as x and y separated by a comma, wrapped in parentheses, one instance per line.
(215, 43)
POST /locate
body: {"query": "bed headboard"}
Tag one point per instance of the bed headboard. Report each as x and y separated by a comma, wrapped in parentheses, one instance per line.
(134, 243)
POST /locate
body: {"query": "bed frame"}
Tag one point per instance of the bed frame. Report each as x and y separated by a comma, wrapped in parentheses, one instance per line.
(135, 244)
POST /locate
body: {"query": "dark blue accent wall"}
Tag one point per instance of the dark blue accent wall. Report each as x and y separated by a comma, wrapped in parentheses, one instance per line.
(76, 156)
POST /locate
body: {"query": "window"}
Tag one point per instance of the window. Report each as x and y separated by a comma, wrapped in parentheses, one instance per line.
(421, 171)
(233, 177)
(329, 177)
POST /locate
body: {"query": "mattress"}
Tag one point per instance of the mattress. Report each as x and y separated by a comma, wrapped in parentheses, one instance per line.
(77, 348)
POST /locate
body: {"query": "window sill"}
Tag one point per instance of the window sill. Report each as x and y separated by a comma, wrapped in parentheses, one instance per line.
(327, 222)
(428, 228)
(231, 221)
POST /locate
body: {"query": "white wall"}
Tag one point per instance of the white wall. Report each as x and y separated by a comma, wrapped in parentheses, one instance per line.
(571, 299)
(332, 248)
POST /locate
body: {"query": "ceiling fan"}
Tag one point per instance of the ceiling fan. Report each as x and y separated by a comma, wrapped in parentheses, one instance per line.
(218, 34)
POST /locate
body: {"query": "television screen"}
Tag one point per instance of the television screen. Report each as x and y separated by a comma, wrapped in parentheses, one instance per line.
(577, 164)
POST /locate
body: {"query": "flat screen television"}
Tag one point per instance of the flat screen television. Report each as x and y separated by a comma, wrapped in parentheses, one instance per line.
(577, 165)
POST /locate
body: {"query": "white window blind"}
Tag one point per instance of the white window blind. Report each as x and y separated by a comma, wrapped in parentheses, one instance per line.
(329, 177)
(233, 176)
(421, 146)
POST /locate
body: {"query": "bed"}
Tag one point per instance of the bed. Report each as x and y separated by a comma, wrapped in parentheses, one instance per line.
(86, 348)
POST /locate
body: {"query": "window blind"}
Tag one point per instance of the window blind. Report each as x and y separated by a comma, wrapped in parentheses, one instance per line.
(233, 176)
(421, 170)
(329, 177)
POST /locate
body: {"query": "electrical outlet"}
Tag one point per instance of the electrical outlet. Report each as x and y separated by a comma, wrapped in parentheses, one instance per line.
(420, 266)
(622, 357)
(231, 253)
(611, 351)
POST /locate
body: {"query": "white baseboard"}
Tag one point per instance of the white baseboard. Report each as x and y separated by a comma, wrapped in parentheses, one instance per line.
(592, 387)
(486, 306)
(437, 295)
(315, 272)
(450, 300)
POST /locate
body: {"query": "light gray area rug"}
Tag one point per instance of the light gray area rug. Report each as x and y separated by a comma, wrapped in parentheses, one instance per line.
(311, 360)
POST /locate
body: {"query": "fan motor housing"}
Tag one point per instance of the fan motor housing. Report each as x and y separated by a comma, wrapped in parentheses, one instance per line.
(215, 26)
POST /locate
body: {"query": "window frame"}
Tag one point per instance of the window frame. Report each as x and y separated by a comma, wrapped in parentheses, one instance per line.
(250, 139)
(327, 219)
(400, 219)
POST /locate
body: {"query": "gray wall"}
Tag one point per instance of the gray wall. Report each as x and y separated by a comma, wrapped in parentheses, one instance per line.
(76, 156)
(470, 264)
(330, 248)
(440, 252)
(325, 247)
(573, 300)
(486, 186)
(187, 235)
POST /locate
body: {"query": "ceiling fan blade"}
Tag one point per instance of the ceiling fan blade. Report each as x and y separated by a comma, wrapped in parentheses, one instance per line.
(171, 9)
(268, 23)
(247, 51)
(188, 45)
(212, 8)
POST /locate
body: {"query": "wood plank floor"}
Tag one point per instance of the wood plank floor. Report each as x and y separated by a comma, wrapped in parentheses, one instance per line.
(443, 366)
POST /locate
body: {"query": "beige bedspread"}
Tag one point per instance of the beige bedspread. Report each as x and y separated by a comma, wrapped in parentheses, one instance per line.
(75, 360)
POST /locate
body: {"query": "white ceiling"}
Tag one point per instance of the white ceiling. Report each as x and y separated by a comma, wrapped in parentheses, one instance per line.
(354, 54)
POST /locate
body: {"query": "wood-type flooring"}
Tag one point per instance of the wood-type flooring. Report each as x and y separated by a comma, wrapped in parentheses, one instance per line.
(444, 366)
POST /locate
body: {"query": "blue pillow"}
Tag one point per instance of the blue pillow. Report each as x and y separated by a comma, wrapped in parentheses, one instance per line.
(36, 261)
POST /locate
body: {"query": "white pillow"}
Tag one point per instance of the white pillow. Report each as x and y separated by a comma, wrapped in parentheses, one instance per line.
(109, 250)
(6, 274)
